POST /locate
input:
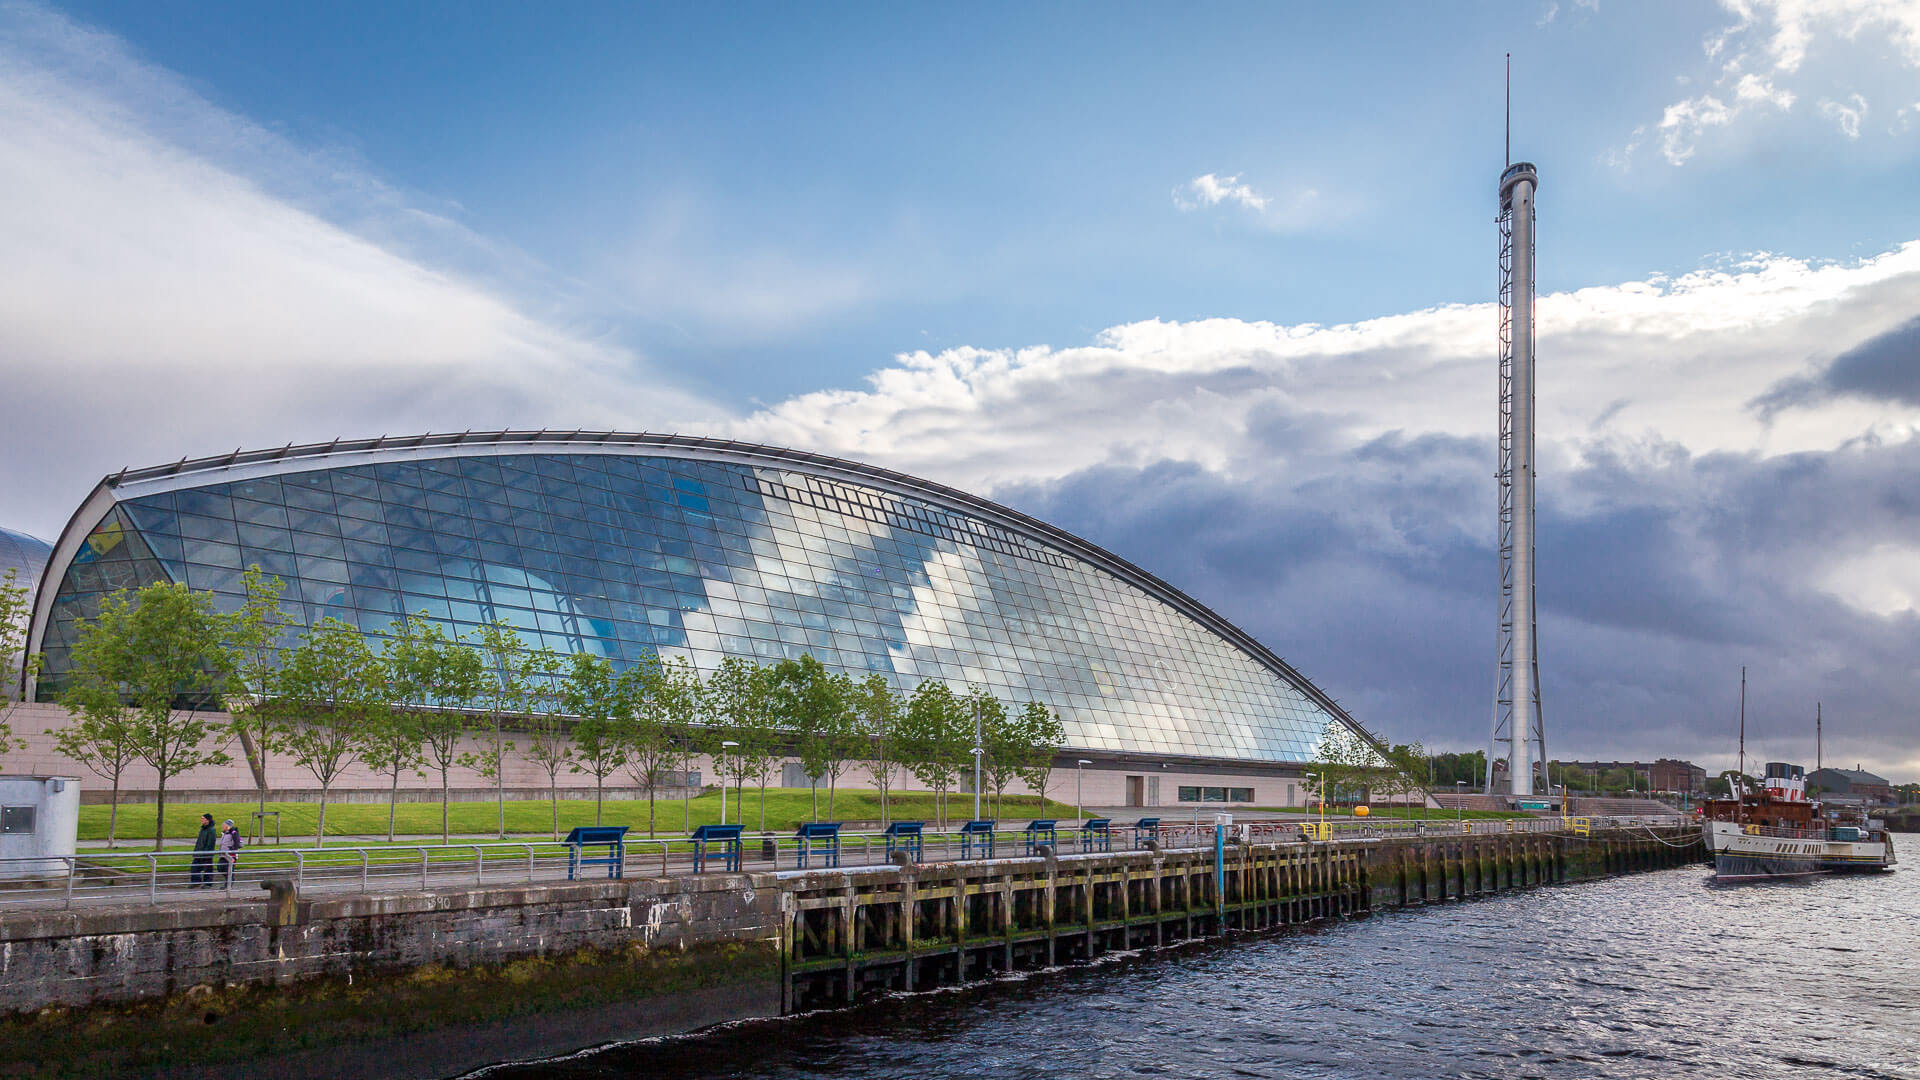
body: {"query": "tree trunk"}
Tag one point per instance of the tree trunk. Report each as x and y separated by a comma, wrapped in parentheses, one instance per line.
(500, 776)
(443, 806)
(160, 813)
(599, 796)
(393, 803)
(553, 794)
(320, 828)
(813, 785)
(256, 763)
(763, 805)
(831, 782)
(650, 812)
(113, 811)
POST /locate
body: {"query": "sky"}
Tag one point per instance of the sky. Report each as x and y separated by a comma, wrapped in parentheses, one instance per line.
(1211, 286)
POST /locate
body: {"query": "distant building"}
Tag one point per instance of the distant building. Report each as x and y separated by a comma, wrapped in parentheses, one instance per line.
(1666, 774)
(1672, 774)
(1853, 783)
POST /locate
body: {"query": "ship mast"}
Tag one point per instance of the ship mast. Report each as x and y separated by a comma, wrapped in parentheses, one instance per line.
(1740, 795)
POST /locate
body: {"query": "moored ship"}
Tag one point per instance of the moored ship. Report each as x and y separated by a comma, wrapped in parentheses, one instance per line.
(1778, 831)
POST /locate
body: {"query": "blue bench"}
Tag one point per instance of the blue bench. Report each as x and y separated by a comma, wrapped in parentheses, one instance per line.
(820, 838)
(1097, 835)
(976, 833)
(1042, 832)
(727, 836)
(1147, 828)
(906, 836)
(615, 839)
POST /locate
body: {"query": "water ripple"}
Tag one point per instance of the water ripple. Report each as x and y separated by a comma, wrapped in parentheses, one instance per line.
(1656, 975)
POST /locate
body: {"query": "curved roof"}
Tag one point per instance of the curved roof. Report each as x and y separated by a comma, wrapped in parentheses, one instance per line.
(242, 465)
(26, 554)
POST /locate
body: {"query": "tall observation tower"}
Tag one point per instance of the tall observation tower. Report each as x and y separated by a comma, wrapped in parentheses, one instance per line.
(1519, 733)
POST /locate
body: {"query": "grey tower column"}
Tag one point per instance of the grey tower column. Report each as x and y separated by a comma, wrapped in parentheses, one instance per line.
(1518, 728)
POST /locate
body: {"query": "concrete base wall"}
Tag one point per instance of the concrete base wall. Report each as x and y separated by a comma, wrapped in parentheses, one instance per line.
(208, 985)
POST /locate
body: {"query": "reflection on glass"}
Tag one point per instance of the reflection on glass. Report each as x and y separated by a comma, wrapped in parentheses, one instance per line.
(616, 555)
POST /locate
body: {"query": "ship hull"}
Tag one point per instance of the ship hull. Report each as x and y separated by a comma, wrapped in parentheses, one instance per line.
(1742, 855)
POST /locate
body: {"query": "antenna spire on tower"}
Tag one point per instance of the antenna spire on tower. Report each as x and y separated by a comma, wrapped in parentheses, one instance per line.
(1508, 145)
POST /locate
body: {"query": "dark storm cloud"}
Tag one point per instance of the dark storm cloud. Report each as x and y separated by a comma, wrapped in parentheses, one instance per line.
(1374, 573)
(1883, 368)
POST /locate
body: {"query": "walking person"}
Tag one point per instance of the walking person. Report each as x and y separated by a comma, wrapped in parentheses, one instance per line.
(229, 851)
(202, 875)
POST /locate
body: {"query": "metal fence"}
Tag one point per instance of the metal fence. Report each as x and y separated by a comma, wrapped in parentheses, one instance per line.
(167, 877)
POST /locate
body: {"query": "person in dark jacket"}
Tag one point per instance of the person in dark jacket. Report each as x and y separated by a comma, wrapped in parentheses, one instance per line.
(202, 876)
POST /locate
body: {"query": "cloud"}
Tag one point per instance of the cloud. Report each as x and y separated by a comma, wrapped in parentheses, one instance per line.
(1327, 487)
(1301, 209)
(188, 282)
(1883, 368)
(1209, 189)
(1772, 43)
(1846, 117)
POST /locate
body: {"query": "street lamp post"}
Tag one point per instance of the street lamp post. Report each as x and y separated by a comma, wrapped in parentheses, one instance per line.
(1459, 801)
(1079, 778)
(977, 752)
(1323, 805)
(723, 779)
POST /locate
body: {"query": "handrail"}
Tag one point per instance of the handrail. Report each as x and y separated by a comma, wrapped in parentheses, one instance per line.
(180, 876)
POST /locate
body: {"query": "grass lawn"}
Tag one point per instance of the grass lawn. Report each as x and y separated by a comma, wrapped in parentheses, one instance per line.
(785, 808)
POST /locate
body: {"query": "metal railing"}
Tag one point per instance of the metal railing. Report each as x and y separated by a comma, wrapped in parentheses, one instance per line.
(175, 876)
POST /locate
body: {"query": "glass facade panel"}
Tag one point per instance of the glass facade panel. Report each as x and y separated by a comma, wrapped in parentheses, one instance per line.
(615, 555)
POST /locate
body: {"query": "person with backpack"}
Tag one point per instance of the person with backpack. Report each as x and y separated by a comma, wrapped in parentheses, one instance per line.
(229, 851)
(202, 875)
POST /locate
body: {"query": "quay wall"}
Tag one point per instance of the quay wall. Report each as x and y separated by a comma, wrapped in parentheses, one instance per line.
(435, 983)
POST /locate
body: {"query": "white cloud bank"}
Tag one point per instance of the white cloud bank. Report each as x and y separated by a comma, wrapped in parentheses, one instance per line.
(1660, 362)
(160, 294)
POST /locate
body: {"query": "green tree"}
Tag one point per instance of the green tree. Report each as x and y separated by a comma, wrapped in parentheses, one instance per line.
(160, 650)
(936, 735)
(16, 606)
(398, 742)
(1004, 747)
(877, 708)
(604, 705)
(737, 703)
(1043, 733)
(334, 690)
(440, 679)
(254, 635)
(391, 744)
(1403, 773)
(101, 737)
(1342, 763)
(509, 665)
(812, 704)
(547, 743)
(681, 696)
(653, 734)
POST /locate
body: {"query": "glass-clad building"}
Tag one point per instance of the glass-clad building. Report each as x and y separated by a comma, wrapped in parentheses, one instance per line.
(621, 545)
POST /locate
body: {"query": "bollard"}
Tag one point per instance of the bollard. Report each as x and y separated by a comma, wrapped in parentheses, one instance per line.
(284, 899)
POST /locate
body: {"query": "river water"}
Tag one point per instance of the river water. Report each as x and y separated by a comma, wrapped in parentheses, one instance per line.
(1660, 974)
